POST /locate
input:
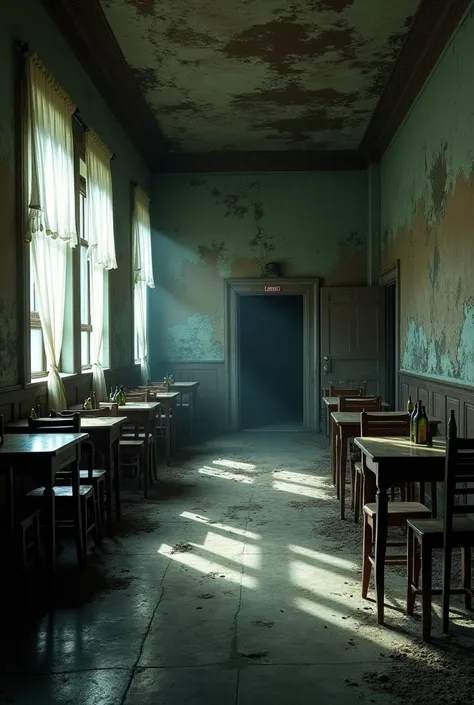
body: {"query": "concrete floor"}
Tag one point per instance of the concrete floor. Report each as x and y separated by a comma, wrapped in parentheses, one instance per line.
(232, 584)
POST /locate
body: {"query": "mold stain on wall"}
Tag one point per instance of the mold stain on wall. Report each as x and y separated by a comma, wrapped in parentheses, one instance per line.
(428, 217)
(210, 228)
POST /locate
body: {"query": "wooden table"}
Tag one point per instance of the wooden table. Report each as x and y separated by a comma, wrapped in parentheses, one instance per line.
(347, 426)
(104, 432)
(168, 402)
(43, 455)
(190, 389)
(332, 404)
(143, 413)
(394, 460)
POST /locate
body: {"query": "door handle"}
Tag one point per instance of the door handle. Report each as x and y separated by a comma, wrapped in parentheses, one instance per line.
(327, 365)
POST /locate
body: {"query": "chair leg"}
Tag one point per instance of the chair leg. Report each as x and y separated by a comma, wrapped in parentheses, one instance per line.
(366, 553)
(84, 528)
(426, 579)
(357, 496)
(466, 576)
(353, 482)
(97, 530)
(411, 580)
(446, 586)
(98, 515)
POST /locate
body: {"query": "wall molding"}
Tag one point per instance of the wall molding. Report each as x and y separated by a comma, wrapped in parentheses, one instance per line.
(231, 162)
(432, 29)
(439, 398)
(89, 35)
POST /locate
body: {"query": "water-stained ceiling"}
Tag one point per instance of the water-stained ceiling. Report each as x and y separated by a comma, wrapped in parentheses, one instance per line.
(261, 74)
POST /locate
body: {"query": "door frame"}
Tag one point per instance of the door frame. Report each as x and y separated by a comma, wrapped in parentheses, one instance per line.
(389, 277)
(309, 290)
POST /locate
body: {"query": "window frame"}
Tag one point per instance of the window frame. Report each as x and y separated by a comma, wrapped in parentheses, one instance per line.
(83, 242)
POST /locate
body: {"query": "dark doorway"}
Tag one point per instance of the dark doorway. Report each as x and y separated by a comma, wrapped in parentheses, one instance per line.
(391, 342)
(271, 362)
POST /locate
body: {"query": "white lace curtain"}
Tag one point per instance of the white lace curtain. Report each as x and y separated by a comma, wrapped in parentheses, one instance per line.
(101, 252)
(51, 220)
(142, 274)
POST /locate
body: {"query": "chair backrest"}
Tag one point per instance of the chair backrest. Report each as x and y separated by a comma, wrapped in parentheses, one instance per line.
(359, 404)
(82, 412)
(108, 408)
(384, 425)
(459, 470)
(347, 391)
(59, 424)
(137, 395)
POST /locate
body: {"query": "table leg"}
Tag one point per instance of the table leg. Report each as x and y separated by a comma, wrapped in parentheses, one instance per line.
(380, 550)
(332, 442)
(111, 470)
(75, 479)
(342, 471)
(116, 475)
(168, 434)
(146, 474)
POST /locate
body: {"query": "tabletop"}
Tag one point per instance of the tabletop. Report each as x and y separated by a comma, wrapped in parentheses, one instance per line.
(87, 422)
(48, 444)
(140, 405)
(166, 395)
(333, 401)
(185, 385)
(342, 418)
(386, 448)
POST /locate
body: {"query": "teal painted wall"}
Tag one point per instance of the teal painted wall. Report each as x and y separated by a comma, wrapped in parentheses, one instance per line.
(207, 228)
(26, 20)
(427, 216)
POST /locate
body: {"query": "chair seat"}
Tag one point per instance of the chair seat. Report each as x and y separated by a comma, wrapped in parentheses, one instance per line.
(131, 442)
(62, 491)
(134, 437)
(432, 527)
(96, 474)
(400, 509)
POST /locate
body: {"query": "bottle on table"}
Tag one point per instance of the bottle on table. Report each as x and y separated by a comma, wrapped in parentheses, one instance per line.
(33, 413)
(94, 401)
(409, 405)
(422, 427)
(412, 422)
(122, 396)
(452, 426)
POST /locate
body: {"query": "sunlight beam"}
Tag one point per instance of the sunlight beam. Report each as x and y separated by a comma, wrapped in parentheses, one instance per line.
(304, 491)
(214, 472)
(205, 566)
(222, 527)
(234, 464)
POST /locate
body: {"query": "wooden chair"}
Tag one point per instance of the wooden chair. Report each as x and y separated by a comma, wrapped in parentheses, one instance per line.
(30, 541)
(108, 408)
(347, 391)
(63, 493)
(354, 404)
(379, 425)
(453, 531)
(138, 395)
(90, 476)
(398, 512)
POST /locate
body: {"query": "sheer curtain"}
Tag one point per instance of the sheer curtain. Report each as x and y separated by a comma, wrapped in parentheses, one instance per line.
(101, 253)
(142, 274)
(51, 221)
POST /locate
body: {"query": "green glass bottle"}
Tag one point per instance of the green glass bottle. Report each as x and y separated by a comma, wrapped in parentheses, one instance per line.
(422, 427)
(412, 423)
(452, 427)
(409, 405)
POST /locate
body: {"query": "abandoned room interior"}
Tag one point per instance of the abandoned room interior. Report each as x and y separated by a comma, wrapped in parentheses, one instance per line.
(236, 351)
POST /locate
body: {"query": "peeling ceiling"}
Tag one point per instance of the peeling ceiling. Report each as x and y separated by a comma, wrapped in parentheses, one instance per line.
(263, 75)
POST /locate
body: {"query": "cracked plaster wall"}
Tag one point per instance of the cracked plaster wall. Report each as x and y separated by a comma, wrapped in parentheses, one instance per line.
(428, 218)
(207, 228)
(27, 20)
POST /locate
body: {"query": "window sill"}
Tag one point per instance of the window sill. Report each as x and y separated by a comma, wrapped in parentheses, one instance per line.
(41, 380)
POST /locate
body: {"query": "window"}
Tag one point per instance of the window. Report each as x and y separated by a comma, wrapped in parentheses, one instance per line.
(85, 271)
(37, 352)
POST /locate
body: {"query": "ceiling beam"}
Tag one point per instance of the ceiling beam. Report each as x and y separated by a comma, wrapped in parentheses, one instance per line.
(432, 28)
(86, 30)
(229, 162)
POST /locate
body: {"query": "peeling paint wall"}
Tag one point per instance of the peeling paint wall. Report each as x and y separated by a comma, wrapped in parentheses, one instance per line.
(207, 228)
(428, 218)
(27, 20)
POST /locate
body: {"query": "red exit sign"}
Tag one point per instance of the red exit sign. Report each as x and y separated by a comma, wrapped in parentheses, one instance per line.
(273, 289)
